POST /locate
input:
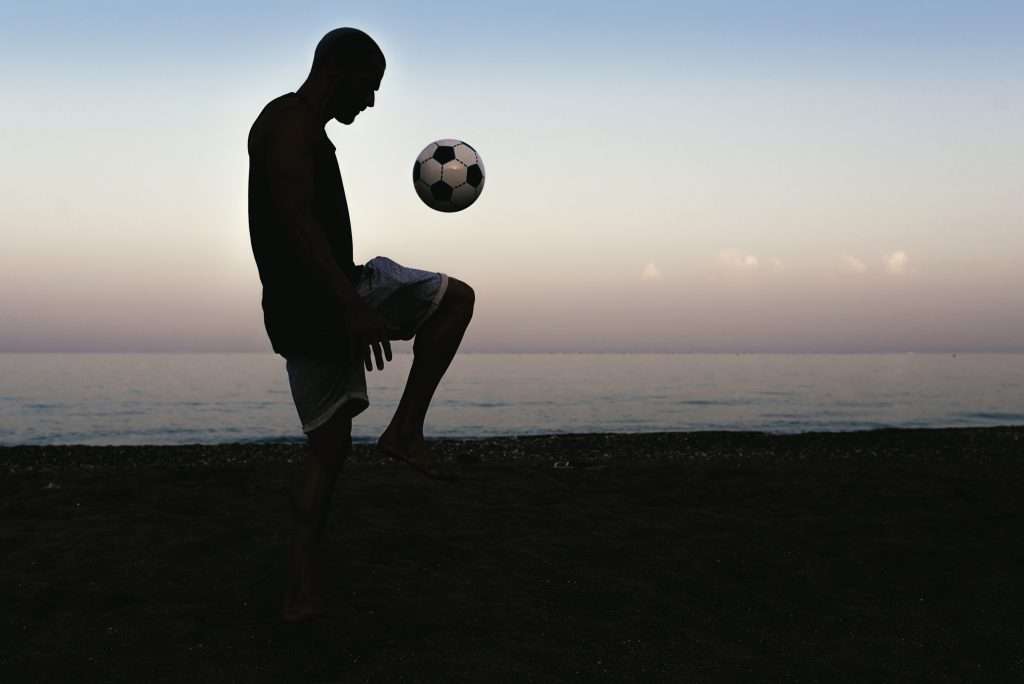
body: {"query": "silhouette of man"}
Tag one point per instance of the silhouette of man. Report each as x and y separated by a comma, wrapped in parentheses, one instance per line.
(327, 316)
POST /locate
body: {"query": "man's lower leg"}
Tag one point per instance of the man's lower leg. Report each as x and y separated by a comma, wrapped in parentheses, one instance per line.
(310, 502)
(433, 351)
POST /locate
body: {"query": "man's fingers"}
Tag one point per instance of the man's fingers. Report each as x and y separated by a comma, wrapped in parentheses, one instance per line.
(376, 352)
(369, 347)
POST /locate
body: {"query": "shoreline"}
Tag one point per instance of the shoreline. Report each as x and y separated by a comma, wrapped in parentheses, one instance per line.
(596, 446)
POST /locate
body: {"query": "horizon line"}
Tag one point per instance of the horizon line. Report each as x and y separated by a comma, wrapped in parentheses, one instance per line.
(609, 352)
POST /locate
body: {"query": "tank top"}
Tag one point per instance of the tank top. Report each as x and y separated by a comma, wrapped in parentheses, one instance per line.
(300, 315)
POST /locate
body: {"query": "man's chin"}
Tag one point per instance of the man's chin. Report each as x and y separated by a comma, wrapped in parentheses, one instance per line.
(345, 118)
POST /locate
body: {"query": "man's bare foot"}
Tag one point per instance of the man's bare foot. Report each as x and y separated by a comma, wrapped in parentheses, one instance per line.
(303, 604)
(415, 452)
(304, 600)
(302, 610)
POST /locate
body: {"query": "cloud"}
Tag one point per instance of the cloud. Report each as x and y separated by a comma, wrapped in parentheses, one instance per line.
(852, 264)
(650, 272)
(896, 262)
(731, 258)
(776, 264)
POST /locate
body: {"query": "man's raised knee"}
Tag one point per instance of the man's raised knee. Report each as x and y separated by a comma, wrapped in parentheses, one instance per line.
(461, 297)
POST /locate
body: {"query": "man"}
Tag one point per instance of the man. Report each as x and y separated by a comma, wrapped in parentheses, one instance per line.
(326, 315)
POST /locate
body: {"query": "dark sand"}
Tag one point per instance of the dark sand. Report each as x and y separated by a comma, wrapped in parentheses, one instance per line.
(891, 555)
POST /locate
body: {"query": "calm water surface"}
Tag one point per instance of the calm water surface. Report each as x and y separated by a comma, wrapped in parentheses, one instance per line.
(209, 398)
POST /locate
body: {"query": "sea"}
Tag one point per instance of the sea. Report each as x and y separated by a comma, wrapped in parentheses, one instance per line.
(195, 398)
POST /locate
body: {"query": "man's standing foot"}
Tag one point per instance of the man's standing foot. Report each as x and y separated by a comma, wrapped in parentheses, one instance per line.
(304, 597)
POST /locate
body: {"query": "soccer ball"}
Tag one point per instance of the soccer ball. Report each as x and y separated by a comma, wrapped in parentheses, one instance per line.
(448, 175)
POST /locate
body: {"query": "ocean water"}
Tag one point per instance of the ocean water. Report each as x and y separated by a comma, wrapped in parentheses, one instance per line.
(122, 399)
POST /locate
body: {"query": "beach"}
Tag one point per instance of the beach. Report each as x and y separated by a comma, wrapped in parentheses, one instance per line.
(883, 555)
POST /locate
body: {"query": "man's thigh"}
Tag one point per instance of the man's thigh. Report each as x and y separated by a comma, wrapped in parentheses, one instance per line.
(405, 297)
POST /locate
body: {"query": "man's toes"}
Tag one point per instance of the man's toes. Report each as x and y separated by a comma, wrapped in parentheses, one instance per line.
(301, 611)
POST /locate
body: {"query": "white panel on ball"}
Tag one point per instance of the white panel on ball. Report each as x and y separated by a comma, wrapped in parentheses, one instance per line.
(423, 190)
(465, 154)
(463, 196)
(430, 171)
(454, 173)
(427, 152)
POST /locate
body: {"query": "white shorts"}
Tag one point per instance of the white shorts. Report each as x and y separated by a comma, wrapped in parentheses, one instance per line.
(406, 298)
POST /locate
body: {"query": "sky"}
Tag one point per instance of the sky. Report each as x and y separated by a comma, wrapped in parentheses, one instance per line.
(746, 176)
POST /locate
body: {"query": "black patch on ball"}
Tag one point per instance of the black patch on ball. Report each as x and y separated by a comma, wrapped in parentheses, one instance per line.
(474, 175)
(416, 171)
(444, 154)
(441, 191)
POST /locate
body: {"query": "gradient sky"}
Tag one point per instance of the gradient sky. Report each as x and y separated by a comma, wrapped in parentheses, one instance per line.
(662, 176)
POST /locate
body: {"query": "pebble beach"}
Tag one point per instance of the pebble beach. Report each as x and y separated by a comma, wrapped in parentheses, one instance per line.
(883, 555)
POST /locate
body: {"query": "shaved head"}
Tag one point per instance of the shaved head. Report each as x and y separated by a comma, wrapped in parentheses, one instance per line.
(348, 50)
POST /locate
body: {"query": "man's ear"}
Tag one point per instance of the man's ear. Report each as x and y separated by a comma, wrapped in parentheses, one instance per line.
(336, 75)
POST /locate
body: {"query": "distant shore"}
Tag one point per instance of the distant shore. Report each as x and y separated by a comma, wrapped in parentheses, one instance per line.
(884, 555)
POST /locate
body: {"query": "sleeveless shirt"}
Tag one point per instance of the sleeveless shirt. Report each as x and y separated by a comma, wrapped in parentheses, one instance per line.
(301, 316)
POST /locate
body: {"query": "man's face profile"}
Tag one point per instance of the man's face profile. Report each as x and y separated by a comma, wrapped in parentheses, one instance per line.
(354, 92)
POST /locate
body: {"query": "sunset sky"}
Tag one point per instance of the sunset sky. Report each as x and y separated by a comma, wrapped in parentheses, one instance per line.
(805, 176)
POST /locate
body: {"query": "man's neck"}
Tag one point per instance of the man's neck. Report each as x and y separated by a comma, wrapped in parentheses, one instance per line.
(315, 95)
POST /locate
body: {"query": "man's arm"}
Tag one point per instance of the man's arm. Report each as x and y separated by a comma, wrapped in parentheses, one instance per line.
(290, 166)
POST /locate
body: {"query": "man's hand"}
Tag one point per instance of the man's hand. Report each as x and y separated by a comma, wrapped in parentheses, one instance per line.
(369, 332)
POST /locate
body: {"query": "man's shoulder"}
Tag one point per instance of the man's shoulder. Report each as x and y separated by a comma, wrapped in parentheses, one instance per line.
(283, 113)
(288, 104)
